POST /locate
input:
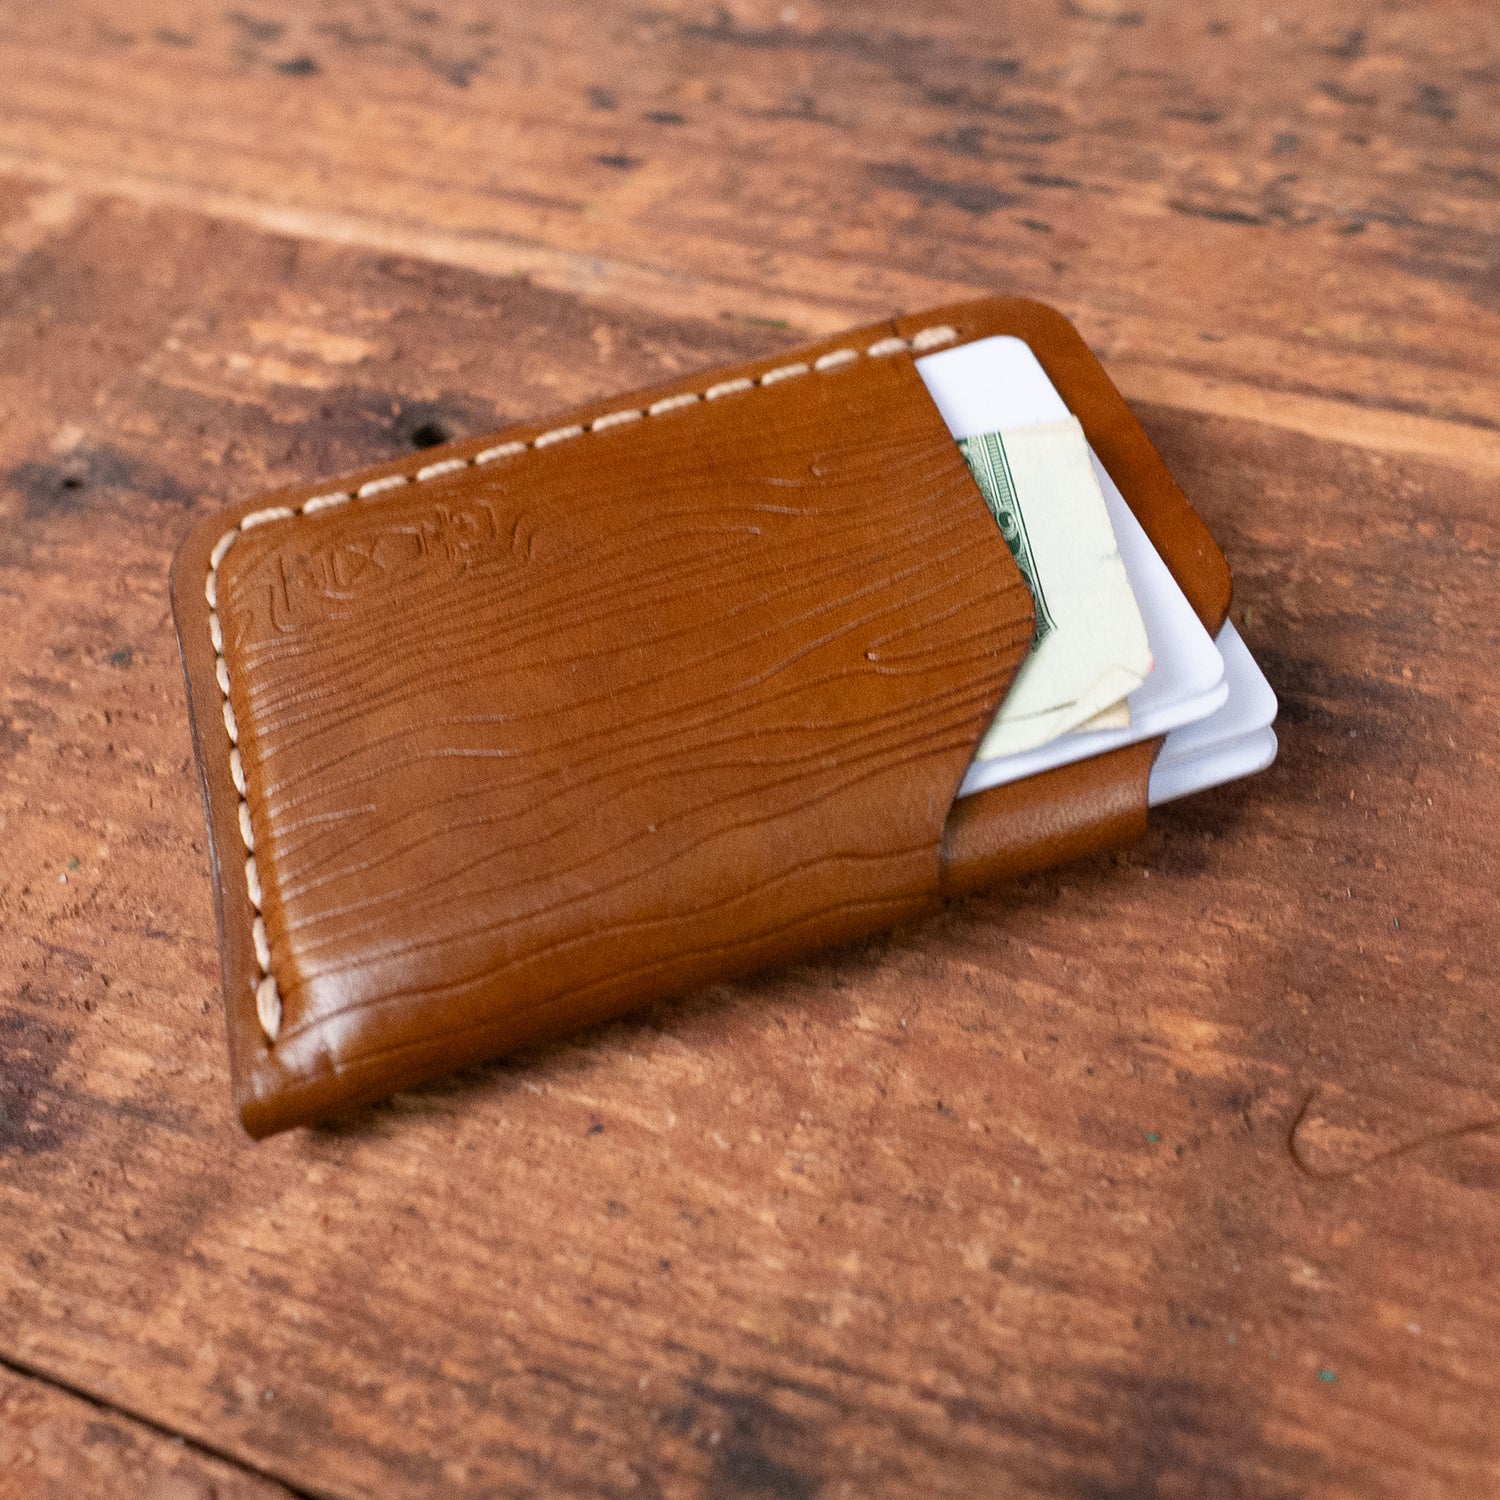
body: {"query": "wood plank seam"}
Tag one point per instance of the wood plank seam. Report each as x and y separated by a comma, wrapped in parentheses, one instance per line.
(1446, 440)
(267, 992)
(633, 283)
(207, 1450)
(1453, 442)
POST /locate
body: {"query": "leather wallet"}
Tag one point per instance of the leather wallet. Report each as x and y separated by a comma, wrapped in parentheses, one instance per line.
(523, 732)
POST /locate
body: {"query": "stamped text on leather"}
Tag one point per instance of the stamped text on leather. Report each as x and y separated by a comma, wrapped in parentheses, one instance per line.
(311, 578)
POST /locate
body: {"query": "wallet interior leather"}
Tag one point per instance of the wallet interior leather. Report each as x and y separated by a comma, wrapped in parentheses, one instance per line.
(533, 729)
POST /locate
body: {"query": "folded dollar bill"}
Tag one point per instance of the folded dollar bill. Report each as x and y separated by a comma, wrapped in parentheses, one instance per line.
(1090, 649)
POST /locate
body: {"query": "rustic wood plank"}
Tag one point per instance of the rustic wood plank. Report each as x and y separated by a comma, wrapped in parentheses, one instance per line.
(58, 1446)
(1168, 1172)
(1305, 201)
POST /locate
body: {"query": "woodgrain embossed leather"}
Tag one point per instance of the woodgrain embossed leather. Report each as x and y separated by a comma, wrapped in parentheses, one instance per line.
(666, 689)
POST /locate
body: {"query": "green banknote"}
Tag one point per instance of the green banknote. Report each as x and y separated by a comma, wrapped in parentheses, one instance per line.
(985, 456)
(1090, 650)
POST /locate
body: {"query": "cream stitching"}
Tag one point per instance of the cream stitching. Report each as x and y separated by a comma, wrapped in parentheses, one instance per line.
(267, 995)
(268, 1006)
(447, 466)
(614, 418)
(262, 943)
(260, 517)
(503, 451)
(380, 486)
(931, 338)
(671, 403)
(727, 388)
(323, 502)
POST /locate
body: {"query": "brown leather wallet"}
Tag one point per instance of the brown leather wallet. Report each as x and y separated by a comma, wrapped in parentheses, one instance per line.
(547, 725)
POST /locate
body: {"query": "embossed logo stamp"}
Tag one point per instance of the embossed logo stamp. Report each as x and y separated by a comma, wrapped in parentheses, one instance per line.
(305, 584)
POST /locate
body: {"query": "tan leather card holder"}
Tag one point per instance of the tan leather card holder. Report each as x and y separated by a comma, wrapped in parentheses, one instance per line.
(519, 734)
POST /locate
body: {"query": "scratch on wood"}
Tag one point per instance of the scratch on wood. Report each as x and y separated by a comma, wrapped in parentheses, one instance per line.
(1392, 1153)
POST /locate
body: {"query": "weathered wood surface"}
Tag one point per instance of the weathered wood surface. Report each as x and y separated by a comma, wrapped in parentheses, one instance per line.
(1168, 1173)
(1241, 203)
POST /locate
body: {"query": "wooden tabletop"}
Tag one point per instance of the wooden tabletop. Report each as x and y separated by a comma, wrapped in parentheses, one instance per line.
(1175, 1172)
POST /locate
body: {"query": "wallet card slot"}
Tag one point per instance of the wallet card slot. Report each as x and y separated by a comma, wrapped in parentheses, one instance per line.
(1101, 802)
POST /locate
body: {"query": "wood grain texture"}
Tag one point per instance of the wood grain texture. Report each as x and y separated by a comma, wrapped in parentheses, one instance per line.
(1167, 1173)
(1301, 204)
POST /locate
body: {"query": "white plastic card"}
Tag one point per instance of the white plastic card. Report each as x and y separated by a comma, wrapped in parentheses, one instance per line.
(1242, 756)
(1209, 698)
(1251, 705)
(1234, 741)
(997, 383)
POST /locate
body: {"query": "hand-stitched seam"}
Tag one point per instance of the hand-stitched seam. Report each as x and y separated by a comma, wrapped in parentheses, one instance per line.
(267, 994)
